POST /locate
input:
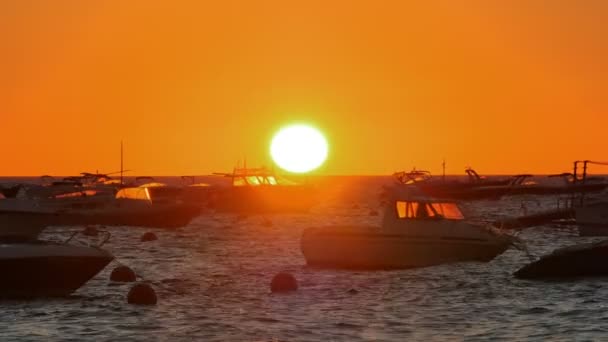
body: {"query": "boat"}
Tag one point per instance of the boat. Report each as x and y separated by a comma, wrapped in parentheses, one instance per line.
(416, 231)
(255, 191)
(582, 260)
(579, 207)
(592, 219)
(37, 268)
(129, 206)
(477, 187)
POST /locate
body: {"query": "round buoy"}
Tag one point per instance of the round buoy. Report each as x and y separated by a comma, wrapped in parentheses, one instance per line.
(283, 282)
(149, 236)
(267, 223)
(90, 231)
(373, 212)
(142, 294)
(123, 274)
(353, 291)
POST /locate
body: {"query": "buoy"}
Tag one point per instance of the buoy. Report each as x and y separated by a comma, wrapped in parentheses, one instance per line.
(283, 282)
(148, 236)
(90, 231)
(373, 212)
(123, 274)
(353, 291)
(267, 223)
(355, 206)
(142, 294)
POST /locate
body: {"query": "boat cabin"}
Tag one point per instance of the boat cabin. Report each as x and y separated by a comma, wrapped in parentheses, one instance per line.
(138, 193)
(255, 177)
(424, 210)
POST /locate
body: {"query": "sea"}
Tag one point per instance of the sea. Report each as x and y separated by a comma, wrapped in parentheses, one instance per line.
(213, 277)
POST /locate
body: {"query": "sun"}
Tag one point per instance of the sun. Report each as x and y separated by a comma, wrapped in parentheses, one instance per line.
(298, 148)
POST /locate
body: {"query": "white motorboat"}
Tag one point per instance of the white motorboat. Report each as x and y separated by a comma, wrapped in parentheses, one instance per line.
(415, 232)
(45, 269)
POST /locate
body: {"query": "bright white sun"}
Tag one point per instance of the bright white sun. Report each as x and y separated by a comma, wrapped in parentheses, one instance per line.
(298, 148)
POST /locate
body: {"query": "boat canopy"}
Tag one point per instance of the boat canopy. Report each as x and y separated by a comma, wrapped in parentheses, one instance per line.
(425, 210)
(138, 193)
(254, 180)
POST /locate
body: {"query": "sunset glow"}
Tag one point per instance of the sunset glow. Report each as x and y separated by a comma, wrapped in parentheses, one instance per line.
(502, 86)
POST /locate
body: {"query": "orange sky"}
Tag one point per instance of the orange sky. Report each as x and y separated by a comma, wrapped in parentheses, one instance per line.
(193, 86)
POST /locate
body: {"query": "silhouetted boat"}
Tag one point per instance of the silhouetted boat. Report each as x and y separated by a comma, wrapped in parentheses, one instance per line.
(45, 269)
(476, 187)
(253, 190)
(415, 232)
(584, 260)
(590, 216)
(592, 219)
(127, 207)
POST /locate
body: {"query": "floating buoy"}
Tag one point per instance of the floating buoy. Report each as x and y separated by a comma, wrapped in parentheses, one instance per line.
(148, 236)
(142, 294)
(267, 223)
(352, 291)
(123, 274)
(373, 212)
(283, 282)
(90, 231)
(355, 206)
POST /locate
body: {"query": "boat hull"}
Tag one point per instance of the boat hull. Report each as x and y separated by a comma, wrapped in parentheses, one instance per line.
(592, 220)
(152, 216)
(570, 262)
(375, 250)
(19, 225)
(53, 272)
(262, 199)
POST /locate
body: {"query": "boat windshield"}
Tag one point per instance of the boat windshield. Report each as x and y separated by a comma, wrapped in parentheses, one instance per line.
(418, 210)
(254, 180)
(134, 193)
(449, 211)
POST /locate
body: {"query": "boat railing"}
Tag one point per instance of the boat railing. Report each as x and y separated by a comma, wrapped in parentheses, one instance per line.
(105, 238)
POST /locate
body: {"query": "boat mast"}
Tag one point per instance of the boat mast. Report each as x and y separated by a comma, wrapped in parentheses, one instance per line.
(121, 164)
(443, 165)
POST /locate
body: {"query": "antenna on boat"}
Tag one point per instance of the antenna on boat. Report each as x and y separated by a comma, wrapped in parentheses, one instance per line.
(443, 165)
(121, 163)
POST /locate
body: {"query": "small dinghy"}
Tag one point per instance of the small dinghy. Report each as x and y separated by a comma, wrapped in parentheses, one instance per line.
(584, 260)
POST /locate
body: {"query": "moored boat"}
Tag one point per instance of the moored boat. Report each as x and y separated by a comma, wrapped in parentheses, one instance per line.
(592, 219)
(255, 191)
(415, 232)
(131, 206)
(45, 269)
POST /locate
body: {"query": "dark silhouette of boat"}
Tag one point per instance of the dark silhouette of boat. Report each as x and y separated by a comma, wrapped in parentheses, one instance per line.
(253, 190)
(591, 215)
(476, 187)
(33, 268)
(584, 260)
(482, 188)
